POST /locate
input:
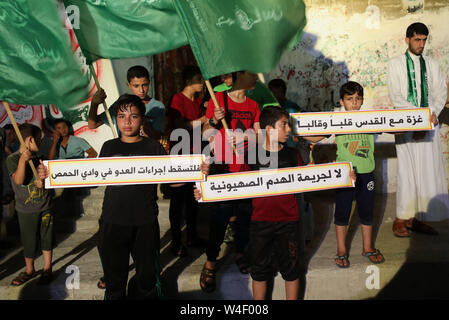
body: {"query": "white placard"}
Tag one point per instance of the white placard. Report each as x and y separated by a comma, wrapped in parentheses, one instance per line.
(124, 171)
(270, 182)
(366, 121)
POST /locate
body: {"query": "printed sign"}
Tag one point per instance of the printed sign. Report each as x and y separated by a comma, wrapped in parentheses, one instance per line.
(124, 171)
(367, 121)
(271, 182)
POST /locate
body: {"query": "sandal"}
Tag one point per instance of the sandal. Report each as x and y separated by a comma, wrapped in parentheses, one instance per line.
(342, 259)
(207, 280)
(400, 228)
(101, 284)
(244, 267)
(374, 254)
(22, 278)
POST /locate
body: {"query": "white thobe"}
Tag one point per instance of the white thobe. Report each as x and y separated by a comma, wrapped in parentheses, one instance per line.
(421, 181)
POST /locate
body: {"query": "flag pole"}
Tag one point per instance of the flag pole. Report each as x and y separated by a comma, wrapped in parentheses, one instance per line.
(223, 121)
(19, 135)
(106, 110)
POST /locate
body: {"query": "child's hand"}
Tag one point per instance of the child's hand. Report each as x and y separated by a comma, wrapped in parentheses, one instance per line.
(205, 168)
(218, 114)
(196, 193)
(143, 132)
(56, 135)
(99, 97)
(25, 154)
(42, 171)
(352, 175)
(39, 183)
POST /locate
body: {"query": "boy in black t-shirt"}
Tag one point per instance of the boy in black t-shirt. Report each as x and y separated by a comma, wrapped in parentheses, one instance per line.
(128, 222)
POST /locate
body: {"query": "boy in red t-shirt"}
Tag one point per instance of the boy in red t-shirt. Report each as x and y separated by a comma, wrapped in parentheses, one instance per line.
(274, 231)
(241, 113)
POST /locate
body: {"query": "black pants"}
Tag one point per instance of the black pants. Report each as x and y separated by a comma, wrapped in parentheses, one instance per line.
(221, 213)
(272, 246)
(364, 193)
(182, 198)
(116, 243)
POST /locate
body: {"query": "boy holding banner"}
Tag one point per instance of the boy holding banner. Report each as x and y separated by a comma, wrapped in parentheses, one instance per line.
(358, 149)
(130, 226)
(274, 231)
(128, 222)
(33, 205)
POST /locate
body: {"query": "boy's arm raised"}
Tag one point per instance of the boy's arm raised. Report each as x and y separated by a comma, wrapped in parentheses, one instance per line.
(93, 121)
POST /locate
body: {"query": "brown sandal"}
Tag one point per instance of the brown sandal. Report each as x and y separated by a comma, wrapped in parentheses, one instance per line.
(22, 278)
(400, 228)
(207, 280)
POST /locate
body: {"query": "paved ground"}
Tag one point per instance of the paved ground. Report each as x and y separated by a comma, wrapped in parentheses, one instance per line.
(415, 267)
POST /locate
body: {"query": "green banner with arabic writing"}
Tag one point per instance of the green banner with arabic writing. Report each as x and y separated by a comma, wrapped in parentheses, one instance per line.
(233, 35)
(116, 29)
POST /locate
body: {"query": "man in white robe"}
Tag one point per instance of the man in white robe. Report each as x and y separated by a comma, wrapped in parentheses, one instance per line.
(422, 192)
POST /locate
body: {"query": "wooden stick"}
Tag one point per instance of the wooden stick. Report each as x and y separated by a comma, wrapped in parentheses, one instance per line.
(19, 135)
(106, 110)
(261, 77)
(223, 121)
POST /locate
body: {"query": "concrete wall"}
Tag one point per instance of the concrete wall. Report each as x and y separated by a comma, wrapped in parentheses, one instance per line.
(354, 40)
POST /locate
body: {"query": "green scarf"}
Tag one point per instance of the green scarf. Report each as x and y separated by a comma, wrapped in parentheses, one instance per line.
(412, 95)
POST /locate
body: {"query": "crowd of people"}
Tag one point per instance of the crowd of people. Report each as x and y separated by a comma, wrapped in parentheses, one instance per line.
(266, 229)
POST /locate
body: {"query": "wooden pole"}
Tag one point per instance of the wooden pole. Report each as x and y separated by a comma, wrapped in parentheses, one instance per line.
(223, 121)
(106, 110)
(19, 135)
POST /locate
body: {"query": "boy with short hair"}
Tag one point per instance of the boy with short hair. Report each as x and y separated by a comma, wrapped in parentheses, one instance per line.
(274, 230)
(33, 206)
(358, 149)
(138, 79)
(128, 223)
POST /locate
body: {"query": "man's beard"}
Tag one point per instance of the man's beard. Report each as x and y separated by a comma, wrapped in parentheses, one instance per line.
(415, 52)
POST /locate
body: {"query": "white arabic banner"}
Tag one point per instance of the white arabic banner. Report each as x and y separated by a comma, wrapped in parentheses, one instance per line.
(271, 182)
(366, 121)
(123, 171)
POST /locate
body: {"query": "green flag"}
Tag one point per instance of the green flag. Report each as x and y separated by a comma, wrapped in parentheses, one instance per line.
(233, 35)
(115, 29)
(37, 65)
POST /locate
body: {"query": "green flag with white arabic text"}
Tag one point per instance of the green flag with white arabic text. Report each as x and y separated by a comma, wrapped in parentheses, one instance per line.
(37, 65)
(116, 29)
(233, 35)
